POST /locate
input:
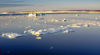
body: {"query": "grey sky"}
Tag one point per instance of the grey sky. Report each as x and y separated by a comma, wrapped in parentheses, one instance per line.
(51, 4)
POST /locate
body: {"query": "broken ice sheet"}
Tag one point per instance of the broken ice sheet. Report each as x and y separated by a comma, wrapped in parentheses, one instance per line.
(47, 31)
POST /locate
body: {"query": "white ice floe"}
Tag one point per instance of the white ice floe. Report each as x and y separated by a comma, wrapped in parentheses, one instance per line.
(38, 38)
(55, 20)
(54, 30)
(10, 35)
(30, 31)
(47, 31)
(68, 30)
(36, 33)
(78, 25)
(30, 15)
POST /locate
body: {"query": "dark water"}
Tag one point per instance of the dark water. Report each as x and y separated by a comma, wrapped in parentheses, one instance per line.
(84, 41)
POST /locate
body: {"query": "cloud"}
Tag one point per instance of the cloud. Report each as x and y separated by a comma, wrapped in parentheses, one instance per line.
(11, 1)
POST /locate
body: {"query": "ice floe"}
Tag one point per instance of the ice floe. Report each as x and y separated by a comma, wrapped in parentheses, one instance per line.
(78, 25)
(47, 31)
(55, 20)
(38, 38)
(36, 33)
(30, 15)
(10, 35)
(68, 30)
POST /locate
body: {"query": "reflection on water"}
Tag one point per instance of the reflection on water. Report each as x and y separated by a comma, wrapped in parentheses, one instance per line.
(51, 34)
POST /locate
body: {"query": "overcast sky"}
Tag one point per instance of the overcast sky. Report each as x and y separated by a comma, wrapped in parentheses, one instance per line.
(52, 4)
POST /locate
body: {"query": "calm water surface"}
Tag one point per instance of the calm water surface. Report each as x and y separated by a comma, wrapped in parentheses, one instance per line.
(84, 41)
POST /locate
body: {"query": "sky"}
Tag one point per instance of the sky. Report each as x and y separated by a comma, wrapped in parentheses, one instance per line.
(49, 4)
